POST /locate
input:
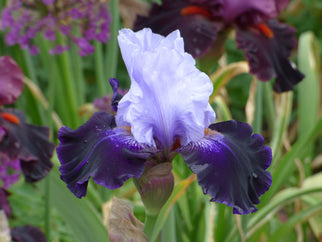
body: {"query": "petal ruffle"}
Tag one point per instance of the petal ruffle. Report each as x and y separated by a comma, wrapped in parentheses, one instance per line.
(250, 12)
(268, 56)
(169, 96)
(11, 80)
(110, 156)
(28, 143)
(231, 164)
(198, 31)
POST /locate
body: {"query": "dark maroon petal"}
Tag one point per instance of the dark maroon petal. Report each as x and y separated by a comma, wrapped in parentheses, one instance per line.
(11, 80)
(27, 233)
(110, 156)
(27, 143)
(268, 52)
(198, 31)
(250, 12)
(231, 164)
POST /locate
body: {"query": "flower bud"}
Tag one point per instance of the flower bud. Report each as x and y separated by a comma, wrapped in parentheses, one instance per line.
(155, 186)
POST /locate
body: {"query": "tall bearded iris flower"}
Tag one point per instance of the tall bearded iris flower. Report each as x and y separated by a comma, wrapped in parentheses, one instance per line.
(166, 112)
(266, 42)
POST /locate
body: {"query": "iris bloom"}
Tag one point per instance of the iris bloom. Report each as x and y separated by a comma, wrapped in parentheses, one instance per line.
(166, 112)
(266, 42)
(23, 146)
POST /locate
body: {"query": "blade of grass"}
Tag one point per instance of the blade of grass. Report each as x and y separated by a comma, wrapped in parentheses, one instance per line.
(177, 192)
(79, 214)
(300, 217)
(283, 118)
(308, 89)
(221, 77)
(111, 57)
(286, 165)
(265, 213)
(102, 84)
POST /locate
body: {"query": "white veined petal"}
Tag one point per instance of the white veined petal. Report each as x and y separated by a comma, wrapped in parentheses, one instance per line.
(168, 98)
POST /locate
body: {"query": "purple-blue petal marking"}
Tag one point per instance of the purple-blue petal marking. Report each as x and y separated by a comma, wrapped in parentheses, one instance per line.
(110, 156)
(231, 164)
(268, 54)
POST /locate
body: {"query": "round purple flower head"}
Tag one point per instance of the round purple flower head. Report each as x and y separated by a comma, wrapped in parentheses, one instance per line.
(166, 112)
(26, 19)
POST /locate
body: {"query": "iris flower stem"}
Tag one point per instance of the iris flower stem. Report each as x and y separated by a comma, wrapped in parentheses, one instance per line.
(169, 229)
(78, 74)
(269, 105)
(281, 125)
(111, 57)
(32, 106)
(69, 86)
(102, 84)
(149, 224)
(258, 118)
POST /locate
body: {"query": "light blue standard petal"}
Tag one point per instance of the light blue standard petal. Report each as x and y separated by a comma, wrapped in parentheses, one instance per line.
(230, 163)
(168, 98)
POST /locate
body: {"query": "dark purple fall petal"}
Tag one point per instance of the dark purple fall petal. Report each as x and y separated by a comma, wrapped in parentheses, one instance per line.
(11, 80)
(198, 31)
(27, 233)
(27, 143)
(268, 56)
(110, 156)
(231, 164)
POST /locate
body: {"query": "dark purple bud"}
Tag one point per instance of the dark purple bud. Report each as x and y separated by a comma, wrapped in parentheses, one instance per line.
(155, 185)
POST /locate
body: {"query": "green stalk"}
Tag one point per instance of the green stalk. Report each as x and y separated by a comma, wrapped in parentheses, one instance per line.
(111, 57)
(47, 226)
(31, 106)
(78, 74)
(282, 122)
(149, 224)
(269, 110)
(168, 232)
(67, 81)
(102, 84)
(286, 165)
(258, 117)
(220, 222)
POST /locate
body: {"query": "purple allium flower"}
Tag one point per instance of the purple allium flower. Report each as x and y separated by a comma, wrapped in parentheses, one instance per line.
(267, 43)
(11, 81)
(165, 112)
(25, 19)
(25, 143)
